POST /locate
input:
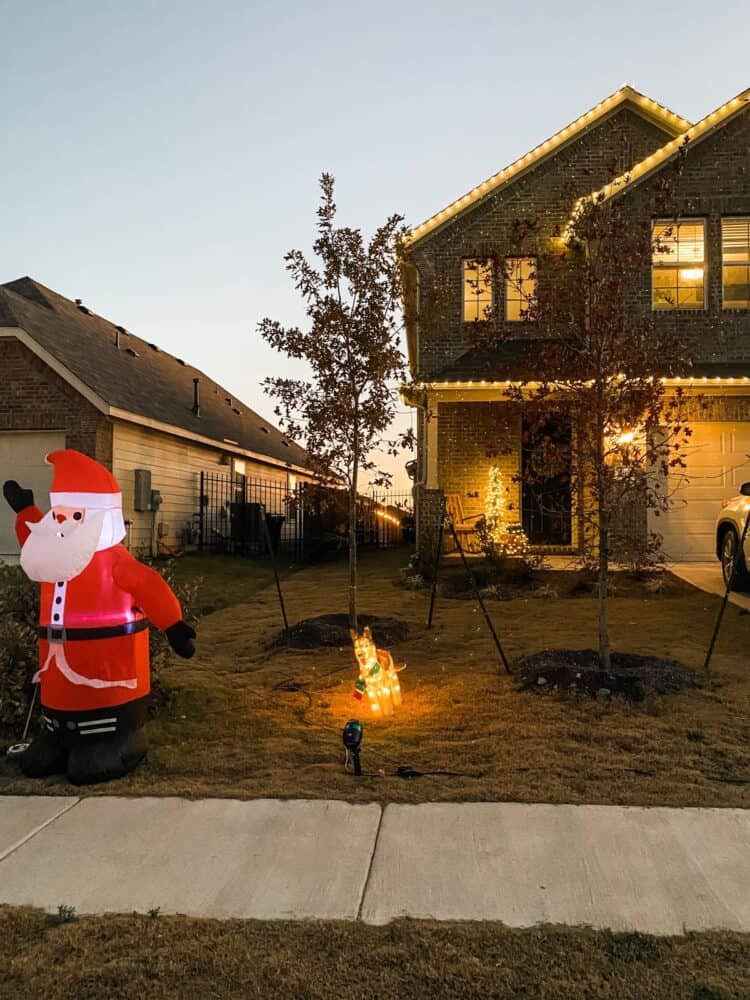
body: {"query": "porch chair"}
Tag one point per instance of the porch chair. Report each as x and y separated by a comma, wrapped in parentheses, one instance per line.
(464, 524)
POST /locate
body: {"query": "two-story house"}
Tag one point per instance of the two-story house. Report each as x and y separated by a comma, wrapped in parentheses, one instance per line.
(621, 147)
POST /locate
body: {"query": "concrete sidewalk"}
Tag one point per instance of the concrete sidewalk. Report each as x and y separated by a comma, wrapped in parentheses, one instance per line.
(707, 576)
(660, 870)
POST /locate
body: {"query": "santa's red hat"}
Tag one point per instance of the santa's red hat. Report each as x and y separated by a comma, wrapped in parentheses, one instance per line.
(79, 481)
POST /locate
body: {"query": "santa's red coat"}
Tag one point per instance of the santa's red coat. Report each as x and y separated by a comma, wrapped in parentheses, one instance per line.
(114, 589)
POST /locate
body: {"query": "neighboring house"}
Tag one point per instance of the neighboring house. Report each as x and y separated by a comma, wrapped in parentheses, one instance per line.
(704, 291)
(69, 378)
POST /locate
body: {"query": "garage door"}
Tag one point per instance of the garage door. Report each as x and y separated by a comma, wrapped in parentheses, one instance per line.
(717, 464)
(22, 458)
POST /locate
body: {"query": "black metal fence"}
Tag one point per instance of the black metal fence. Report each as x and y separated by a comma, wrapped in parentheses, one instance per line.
(307, 522)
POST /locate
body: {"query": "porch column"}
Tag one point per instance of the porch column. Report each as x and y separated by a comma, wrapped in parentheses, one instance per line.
(432, 477)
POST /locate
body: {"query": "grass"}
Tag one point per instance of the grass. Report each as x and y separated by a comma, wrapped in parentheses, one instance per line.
(226, 581)
(165, 956)
(248, 719)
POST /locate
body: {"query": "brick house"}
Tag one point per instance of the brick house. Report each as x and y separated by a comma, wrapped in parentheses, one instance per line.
(72, 379)
(458, 388)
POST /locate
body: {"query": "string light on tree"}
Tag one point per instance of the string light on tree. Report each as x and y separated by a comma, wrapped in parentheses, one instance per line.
(507, 538)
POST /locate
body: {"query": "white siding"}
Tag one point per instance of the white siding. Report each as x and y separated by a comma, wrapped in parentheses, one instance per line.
(175, 465)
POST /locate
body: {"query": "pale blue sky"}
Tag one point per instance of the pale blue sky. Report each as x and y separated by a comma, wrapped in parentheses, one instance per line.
(158, 159)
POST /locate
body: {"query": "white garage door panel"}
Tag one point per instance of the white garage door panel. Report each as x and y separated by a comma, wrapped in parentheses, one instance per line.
(717, 465)
(22, 458)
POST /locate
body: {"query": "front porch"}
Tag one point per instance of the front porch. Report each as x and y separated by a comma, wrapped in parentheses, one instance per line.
(475, 449)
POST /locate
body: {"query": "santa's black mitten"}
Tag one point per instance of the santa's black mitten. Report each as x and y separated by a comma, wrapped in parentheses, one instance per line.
(181, 637)
(18, 498)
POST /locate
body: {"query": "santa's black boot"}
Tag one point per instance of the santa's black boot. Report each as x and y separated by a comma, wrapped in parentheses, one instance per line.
(92, 761)
(46, 755)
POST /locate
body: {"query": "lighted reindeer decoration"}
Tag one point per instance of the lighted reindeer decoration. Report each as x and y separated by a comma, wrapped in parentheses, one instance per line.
(378, 676)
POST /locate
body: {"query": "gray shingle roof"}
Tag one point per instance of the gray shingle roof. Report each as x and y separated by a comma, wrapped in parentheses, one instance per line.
(139, 377)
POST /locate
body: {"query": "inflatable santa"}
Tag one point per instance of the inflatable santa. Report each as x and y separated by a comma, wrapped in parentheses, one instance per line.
(97, 602)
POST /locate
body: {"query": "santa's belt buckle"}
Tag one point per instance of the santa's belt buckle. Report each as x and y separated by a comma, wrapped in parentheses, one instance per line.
(57, 635)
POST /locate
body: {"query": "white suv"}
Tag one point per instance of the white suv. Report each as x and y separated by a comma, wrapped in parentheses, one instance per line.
(730, 527)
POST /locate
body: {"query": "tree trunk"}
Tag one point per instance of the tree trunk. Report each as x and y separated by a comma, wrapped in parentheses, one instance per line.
(353, 551)
(603, 579)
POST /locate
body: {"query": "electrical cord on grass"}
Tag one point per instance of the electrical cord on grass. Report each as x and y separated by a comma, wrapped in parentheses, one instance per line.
(403, 771)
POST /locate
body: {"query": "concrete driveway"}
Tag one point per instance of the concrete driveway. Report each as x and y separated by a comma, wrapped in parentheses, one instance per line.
(707, 576)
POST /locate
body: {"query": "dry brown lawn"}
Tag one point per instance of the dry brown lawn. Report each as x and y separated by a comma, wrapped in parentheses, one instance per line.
(160, 957)
(247, 719)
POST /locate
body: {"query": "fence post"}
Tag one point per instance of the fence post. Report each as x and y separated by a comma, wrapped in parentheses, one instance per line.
(201, 513)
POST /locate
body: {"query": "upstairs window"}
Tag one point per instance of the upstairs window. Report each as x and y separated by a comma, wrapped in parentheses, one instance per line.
(477, 290)
(735, 261)
(679, 268)
(520, 288)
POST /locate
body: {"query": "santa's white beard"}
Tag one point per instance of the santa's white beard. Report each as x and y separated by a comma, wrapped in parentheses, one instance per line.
(55, 551)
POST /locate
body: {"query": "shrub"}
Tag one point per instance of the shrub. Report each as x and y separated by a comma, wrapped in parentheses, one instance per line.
(19, 613)
(160, 651)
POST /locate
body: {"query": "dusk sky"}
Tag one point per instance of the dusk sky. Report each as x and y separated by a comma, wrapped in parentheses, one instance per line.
(159, 158)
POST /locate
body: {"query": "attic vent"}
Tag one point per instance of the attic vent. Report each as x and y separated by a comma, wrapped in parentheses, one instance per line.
(153, 347)
(132, 353)
(235, 410)
(82, 307)
(285, 443)
(265, 430)
(228, 400)
(179, 361)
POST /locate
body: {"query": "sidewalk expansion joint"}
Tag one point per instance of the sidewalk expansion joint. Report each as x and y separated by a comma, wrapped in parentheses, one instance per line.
(42, 826)
(372, 862)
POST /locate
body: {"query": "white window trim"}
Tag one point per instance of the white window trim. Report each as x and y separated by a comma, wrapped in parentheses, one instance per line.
(527, 319)
(688, 220)
(493, 298)
(724, 306)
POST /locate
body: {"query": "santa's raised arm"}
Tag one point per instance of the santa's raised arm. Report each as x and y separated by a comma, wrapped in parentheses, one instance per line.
(96, 604)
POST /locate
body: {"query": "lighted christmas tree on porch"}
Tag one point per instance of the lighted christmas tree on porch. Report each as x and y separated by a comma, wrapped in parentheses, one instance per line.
(507, 538)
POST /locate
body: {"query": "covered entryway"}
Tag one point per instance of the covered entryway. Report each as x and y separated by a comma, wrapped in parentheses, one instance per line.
(717, 464)
(22, 458)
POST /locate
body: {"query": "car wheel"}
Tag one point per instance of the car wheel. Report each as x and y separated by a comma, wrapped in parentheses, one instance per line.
(729, 545)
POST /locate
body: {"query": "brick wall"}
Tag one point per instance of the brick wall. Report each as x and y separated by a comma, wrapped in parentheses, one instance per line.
(714, 182)
(427, 508)
(717, 408)
(34, 398)
(472, 437)
(546, 194)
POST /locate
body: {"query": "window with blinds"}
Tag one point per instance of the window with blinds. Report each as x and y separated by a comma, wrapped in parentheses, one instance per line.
(735, 263)
(520, 288)
(679, 265)
(477, 290)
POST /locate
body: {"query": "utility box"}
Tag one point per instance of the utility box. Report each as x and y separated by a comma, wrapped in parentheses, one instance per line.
(142, 500)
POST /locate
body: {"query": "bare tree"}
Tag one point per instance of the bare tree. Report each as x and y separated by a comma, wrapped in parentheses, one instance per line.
(341, 412)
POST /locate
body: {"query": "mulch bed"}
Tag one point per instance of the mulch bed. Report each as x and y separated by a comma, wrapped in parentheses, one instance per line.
(632, 675)
(333, 630)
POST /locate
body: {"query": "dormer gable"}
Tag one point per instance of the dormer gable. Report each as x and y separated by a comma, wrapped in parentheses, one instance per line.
(667, 121)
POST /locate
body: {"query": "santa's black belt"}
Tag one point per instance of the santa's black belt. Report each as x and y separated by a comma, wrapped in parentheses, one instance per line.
(105, 632)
